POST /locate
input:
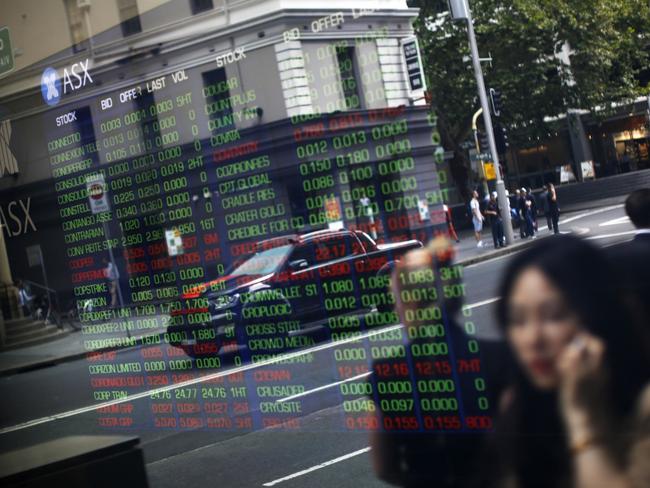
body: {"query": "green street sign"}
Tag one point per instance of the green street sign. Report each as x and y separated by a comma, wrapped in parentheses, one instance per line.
(6, 52)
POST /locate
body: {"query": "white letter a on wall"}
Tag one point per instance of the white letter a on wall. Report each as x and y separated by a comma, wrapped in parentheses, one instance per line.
(8, 163)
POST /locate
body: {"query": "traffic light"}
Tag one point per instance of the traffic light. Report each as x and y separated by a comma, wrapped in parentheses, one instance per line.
(500, 138)
(484, 145)
(495, 99)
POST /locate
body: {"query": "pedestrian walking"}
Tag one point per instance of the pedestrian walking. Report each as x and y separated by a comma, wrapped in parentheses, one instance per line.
(493, 213)
(625, 163)
(484, 201)
(531, 202)
(520, 202)
(528, 213)
(451, 231)
(553, 208)
(477, 218)
(113, 277)
(546, 207)
(24, 299)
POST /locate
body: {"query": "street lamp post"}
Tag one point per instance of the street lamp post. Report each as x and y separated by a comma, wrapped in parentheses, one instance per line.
(460, 10)
(475, 117)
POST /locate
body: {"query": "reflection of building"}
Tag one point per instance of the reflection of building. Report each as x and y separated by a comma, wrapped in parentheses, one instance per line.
(618, 143)
(625, 138)
(203, 116)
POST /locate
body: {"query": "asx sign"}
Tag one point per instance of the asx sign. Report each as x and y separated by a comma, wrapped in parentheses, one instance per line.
(53, 87)
(20, 220)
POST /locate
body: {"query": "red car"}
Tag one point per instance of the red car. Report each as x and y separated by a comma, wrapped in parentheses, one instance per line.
(285, 284)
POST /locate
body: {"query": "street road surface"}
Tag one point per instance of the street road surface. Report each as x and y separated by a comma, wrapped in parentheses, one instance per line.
(56, 401)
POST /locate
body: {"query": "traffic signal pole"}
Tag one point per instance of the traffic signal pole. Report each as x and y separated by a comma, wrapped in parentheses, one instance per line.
(460, 9)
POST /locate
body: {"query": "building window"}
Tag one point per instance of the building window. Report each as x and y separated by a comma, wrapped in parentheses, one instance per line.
(345, 59)
(77, 23)
(199, 6)
(217, 87)
(129, 17)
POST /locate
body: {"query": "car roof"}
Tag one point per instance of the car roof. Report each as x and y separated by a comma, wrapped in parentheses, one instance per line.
(297, 238)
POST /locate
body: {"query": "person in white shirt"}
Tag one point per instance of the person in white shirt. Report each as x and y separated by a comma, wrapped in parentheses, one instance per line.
(113, 277)
(24, 299)
(477, 218)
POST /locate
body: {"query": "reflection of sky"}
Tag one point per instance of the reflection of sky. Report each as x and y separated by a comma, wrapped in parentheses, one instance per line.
(263, 262)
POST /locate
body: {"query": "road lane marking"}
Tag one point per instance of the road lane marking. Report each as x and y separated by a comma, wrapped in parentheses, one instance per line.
(324, 387)
(589, 213)
(618, 221)
(202, 379)
(617, 234)
(363, 375)
(577, 230)
(318, 466)
(484, 302)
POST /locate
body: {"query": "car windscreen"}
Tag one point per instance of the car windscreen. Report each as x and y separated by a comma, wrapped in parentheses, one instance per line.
(262, 262)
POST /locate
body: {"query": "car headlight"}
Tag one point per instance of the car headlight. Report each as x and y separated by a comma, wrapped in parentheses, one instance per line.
(224, 301)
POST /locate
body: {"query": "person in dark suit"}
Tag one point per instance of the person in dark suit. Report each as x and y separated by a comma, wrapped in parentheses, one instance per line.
(521, 211)
(528, 209)
(631, 259)
(552, 208)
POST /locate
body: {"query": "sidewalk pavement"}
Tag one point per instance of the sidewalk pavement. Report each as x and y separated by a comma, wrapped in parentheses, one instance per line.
(73, 346)
(468, 253)
(76, 345)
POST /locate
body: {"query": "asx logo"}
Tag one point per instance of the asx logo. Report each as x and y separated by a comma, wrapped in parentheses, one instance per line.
(74, 78)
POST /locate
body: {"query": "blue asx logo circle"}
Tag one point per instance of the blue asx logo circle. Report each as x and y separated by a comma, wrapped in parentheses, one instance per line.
(51, 86)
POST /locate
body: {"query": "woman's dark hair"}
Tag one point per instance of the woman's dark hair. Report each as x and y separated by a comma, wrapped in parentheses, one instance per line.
(537, 447)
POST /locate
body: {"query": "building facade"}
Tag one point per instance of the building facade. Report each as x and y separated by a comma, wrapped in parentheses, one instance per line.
(167, 138)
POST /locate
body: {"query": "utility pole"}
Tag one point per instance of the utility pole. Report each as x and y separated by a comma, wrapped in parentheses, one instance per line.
(460, 10)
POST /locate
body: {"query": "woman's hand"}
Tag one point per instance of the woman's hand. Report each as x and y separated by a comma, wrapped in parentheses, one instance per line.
(583, 388)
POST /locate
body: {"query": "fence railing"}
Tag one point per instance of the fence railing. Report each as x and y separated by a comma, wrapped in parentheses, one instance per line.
(53, 314)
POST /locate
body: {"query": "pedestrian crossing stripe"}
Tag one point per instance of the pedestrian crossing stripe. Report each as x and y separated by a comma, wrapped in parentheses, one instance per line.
(618, 221)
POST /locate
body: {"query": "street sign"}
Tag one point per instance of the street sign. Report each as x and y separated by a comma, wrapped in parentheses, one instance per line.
(566, 174)
(423, 209)
(333, 213)
(332, 209)
(96, 188)
(474, 156)
(174, 242)
(459, 9)
(587, 169)
(413, 66)
(34, 255)
(490, 173)
(6, 52)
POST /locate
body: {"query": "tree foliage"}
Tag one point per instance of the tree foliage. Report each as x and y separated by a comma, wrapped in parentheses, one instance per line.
(609, 44)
